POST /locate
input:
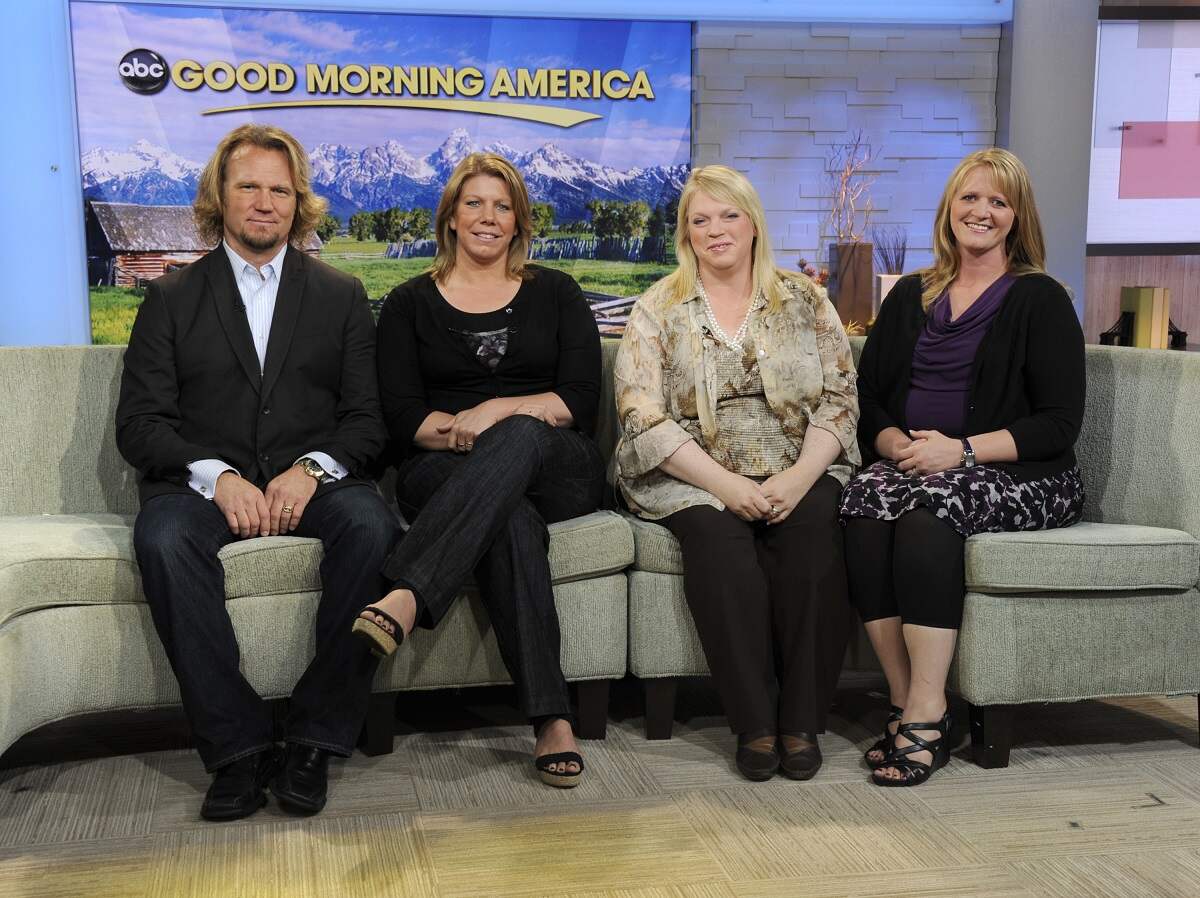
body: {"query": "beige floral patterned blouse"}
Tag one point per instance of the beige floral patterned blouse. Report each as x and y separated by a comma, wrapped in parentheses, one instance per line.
(666, 381)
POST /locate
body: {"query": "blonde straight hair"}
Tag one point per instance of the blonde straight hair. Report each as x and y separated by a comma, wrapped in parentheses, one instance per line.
(725, 185)
(208, 209)
(447, 241)
(1025, 245)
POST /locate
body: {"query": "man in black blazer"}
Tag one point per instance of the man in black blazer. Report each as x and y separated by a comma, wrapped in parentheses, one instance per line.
(249, 406)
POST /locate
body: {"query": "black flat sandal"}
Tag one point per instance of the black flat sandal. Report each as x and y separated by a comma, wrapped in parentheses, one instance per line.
(753, 764)
(913, 773)
(381, 642)
(884, 744)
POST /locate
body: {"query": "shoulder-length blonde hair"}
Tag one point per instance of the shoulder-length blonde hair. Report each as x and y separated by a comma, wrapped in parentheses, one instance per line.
(209, 206)
(1025, 245)
(447, 241)
(725, 185)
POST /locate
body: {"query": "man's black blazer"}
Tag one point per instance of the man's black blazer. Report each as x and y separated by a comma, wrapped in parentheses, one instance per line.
(191, 388)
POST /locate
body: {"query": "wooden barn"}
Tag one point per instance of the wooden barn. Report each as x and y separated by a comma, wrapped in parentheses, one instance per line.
(128, 244)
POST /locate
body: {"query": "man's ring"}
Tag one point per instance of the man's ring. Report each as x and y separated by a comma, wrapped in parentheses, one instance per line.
(287, 509)
(774, 511)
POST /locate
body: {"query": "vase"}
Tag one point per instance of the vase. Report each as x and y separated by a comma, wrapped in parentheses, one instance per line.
(851, 289)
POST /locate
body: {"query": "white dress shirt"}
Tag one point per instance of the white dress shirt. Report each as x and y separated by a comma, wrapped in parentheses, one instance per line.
(258, 288)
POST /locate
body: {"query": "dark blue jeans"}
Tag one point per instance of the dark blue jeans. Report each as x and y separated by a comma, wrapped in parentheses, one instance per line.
(486, 513)
(177, 537)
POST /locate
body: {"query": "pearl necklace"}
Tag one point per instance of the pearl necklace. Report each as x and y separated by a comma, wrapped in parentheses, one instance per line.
(740, 335)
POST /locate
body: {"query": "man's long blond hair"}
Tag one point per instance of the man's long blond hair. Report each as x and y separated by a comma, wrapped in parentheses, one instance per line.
(209, 206)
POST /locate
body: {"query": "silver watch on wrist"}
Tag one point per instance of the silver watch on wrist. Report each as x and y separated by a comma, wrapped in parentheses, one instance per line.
(968, 456)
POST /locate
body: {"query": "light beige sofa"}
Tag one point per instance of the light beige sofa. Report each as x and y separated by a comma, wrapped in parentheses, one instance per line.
(75, 631)
(1108, 607)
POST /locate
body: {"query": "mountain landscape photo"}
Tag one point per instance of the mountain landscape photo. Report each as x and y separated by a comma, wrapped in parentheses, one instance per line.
(380, 177)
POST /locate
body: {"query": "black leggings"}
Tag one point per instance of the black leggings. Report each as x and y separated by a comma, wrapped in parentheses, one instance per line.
(911, 568)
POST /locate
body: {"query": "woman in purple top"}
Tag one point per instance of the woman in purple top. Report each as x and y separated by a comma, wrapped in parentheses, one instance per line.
(971, 391)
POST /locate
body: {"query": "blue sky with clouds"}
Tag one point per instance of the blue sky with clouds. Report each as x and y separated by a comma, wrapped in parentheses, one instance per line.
(630, 133)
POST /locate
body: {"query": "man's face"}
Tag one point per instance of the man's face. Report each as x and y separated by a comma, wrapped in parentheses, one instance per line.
(260, 202)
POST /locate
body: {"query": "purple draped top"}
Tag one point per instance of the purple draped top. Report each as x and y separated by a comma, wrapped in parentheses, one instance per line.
(942, 360)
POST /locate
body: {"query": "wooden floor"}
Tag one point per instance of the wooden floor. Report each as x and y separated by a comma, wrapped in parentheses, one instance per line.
(1101, 799)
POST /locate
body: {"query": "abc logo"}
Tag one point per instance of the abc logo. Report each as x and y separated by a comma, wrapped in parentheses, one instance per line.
(143, 71)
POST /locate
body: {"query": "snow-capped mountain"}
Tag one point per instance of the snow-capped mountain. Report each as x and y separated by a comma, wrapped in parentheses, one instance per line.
(155, 176)
(378, 177)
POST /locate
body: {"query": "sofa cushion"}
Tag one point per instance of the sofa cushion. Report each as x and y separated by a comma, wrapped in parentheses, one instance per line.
(49, 560)
(1086, 557)
(655, 548)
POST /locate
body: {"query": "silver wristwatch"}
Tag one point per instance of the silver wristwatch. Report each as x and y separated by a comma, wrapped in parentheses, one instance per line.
(968, 456)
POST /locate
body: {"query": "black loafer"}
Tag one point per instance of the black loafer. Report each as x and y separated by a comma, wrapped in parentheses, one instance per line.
(803, 763)
(302, 785)
(754, 764)
(237, 789)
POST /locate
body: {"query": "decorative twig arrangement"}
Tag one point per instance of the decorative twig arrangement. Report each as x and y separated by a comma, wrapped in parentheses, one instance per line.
(891, 246)
(849, 189)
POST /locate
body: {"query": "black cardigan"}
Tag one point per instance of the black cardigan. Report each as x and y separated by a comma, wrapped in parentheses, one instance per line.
(1028, 375)
(553, 345)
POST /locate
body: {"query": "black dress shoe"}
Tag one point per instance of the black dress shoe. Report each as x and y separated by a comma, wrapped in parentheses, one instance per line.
(237, 789)
(752, 763)
(302, 784)
(802, 763)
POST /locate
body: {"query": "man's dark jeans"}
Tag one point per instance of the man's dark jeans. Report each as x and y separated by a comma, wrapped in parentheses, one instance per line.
(177, 537)
(485, 513)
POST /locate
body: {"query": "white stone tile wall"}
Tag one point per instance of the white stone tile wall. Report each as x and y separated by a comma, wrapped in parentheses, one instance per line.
(770, 100)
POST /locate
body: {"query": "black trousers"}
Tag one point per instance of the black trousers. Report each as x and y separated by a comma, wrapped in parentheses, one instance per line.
(911, 568)
(177, 537)
(485, 513)
(770, 605)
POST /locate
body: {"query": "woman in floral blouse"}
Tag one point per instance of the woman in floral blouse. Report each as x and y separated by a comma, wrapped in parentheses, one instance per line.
(736, 393)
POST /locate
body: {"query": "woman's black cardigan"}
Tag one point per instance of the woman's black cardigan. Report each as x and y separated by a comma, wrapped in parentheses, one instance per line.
(1028, 375)
(553, 346)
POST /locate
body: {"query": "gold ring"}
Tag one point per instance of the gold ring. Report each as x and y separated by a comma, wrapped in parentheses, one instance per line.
(774, 511)
(287, 509)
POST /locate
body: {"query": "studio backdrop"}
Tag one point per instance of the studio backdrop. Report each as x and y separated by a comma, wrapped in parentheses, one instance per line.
(595, 114)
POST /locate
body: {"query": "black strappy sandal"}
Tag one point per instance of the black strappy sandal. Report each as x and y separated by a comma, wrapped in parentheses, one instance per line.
(382, 642)
(913, 773)
(543, 763)
(884, 744)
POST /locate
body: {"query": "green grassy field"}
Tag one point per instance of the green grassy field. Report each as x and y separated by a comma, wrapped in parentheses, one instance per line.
(350, 245)
(114, 308)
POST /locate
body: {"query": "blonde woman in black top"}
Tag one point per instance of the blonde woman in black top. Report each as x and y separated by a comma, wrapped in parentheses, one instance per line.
(489, 376)
(971, 388)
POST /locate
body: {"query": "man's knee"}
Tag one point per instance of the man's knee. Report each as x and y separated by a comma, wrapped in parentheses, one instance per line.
(173, 527)
(362, 522)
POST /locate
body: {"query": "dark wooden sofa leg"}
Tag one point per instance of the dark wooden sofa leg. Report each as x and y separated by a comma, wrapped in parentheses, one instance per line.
(991, 734)
(380, 725)
(660, 707)
(591, 700)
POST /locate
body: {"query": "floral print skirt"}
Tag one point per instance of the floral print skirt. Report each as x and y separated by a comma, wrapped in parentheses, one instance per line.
(982, 499)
